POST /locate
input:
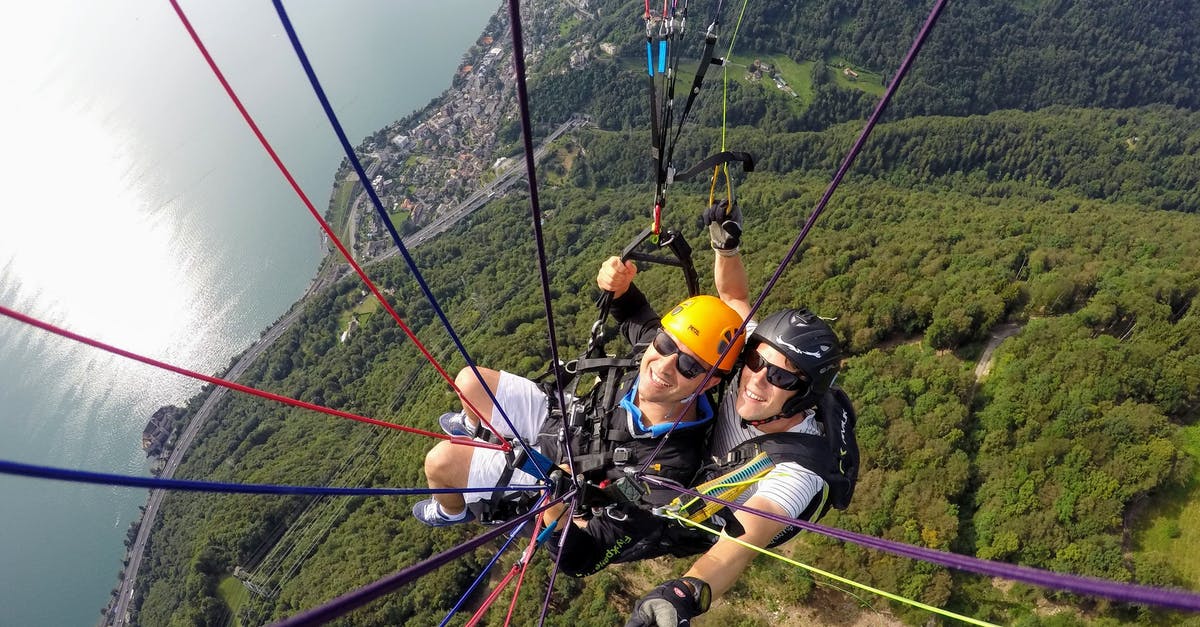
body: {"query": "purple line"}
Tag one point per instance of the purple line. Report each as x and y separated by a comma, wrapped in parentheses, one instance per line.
(812, 219)
(360, 597)
(1125, 592)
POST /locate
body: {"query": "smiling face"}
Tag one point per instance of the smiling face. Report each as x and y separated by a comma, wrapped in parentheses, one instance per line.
(757, 398)
(660, 380)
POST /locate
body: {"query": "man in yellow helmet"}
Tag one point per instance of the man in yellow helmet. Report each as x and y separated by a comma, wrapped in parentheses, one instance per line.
(673, 354)
(781, 403)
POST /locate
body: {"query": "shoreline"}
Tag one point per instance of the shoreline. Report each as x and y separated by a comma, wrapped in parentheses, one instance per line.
(456, 202)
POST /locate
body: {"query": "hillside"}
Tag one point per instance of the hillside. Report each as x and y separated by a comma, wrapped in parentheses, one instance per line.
(1073, 215)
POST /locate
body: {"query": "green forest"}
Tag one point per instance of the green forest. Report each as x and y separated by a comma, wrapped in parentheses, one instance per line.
(1037, 174)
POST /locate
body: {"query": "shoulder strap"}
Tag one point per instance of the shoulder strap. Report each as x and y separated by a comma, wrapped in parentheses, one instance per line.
(837, 414)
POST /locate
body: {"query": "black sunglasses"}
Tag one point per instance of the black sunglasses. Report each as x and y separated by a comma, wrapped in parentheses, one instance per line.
(688, 366)
(776, 376)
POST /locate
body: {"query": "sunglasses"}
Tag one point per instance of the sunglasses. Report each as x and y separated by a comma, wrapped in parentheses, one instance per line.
(688, 366)
(776, 376)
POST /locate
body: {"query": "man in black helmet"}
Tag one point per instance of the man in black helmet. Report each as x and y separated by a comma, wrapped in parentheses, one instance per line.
(782, 403)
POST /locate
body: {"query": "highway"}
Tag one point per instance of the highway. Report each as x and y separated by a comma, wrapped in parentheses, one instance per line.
(329, 274)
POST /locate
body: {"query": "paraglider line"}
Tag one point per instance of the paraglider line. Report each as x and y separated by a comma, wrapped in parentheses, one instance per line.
(308, 203)
(1124, 592)
(352, 157)
(357, 598)
(46, 326)
(182, 485)
(534, 206)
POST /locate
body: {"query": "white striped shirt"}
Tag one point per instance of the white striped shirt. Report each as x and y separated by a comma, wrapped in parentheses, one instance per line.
(789, 485)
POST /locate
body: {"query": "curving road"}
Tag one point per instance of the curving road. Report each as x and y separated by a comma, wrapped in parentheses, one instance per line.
(329, 274)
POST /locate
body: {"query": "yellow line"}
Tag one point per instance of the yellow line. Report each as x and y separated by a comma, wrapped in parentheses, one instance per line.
(889, 595)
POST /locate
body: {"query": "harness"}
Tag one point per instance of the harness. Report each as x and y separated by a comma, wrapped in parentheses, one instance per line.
(833, 456)
(606, 454)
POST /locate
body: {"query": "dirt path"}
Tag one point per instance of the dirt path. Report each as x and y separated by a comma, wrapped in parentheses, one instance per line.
(999, 334)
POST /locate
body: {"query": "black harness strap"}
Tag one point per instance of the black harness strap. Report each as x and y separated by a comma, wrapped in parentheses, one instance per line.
(712, 161)
(706, 59)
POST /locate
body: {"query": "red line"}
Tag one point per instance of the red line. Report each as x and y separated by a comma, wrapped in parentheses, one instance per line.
(46, 326)
(526, 558)
(492, 597)
(317, 215)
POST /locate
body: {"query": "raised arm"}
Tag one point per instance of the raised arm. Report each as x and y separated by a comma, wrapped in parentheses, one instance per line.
(729, 274)
(733, 285)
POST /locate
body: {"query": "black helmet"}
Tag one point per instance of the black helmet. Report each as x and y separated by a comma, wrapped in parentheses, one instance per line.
(810, 344)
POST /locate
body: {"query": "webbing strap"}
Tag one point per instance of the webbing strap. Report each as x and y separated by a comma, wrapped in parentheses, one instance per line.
(706, 59)
(720, 158)
(728, 487)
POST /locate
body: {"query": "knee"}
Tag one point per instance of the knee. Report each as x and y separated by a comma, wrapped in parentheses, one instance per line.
(466, 382)
(447, 466)
(472, 392)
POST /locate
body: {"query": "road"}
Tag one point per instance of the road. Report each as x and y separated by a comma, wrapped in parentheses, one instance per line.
(328, 275)
(999, 334)
(181, 446)
(480, 197)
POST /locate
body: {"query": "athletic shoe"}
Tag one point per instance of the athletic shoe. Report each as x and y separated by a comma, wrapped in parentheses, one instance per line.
(455, 423)
(428, 512)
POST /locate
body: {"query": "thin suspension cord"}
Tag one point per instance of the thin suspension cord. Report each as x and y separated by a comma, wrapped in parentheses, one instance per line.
(853, 154)
(514, 18)
(518, 567)
(567, 528)
(46, 326)
(183, 485)
(512, 537)
(391, 228)
(491, 599)
(526, 559)
(357, 598)
(1124, 592)
(725, 73)
(724, 168)
(833, 185)
(851, 582)
(304, 198)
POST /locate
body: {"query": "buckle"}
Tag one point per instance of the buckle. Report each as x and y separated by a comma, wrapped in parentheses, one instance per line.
(622, 455)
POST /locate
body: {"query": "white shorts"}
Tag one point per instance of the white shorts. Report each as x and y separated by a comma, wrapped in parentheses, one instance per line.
(525, 405)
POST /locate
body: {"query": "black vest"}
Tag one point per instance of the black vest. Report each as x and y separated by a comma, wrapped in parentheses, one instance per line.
(833, 457)
(604, 451)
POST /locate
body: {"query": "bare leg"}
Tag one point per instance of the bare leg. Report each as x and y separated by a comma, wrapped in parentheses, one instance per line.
(473, 394)
(448, 466)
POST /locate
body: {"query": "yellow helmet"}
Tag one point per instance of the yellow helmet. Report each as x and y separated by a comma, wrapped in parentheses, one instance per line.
(706, 326)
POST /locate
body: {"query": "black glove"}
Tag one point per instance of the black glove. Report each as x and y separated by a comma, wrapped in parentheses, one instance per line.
(672, 604)
(724, 227)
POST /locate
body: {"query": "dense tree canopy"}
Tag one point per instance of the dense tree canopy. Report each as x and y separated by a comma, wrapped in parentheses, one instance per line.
(1072, 218)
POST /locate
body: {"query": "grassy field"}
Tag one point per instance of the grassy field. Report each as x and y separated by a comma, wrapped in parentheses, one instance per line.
(1171, 528)
(234, 594)
(867, 80)
(339, 206)
(797, 75)
(368, 306)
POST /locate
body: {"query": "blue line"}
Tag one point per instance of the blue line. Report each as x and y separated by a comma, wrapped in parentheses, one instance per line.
(387, 221)
(662, 56)
(649, 59)
(84, 476)
(512, 537)
(357, 598)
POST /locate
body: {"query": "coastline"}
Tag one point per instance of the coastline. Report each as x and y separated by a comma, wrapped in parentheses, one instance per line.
(467, 107)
